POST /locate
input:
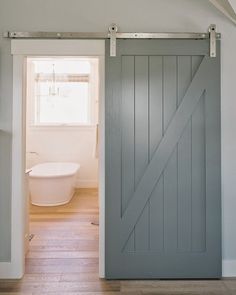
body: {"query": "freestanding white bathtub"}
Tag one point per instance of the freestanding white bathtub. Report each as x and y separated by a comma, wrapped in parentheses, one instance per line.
(52, 184)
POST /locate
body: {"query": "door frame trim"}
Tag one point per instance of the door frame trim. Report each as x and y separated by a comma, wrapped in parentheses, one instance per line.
(20, 49)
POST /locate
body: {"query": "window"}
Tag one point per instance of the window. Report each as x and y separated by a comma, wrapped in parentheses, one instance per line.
(64, 91)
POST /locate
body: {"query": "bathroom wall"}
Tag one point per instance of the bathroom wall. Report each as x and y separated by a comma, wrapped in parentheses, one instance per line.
(131, 15)
(61, 144)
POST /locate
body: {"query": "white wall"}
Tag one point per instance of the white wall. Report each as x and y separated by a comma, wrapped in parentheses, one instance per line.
(65, 144)
(130, 15)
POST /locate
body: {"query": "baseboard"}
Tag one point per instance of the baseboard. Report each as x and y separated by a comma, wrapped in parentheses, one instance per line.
(8, 270)
(83, 183)
(229, 268)
(5, 270)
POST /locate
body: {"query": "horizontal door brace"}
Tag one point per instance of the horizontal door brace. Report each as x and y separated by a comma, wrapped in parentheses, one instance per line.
(113, 34)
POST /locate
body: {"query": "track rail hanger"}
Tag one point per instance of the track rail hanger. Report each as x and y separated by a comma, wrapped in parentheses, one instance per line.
(113, 35)
(212, 37)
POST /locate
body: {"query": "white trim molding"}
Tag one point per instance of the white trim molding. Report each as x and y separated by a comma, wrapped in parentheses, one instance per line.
(229, 268)
(21, 49)
(226, 7)
(15, 268)
(58, 47)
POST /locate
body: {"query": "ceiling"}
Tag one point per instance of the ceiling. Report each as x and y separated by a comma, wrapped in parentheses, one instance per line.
(227, 7)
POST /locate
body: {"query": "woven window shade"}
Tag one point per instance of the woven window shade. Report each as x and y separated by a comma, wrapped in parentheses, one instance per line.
(62, 78)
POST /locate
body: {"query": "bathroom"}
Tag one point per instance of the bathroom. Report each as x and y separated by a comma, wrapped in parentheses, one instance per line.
(62, 102)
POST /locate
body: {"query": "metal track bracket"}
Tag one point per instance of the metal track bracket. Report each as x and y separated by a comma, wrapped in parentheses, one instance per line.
(112, 34)
(212, 38)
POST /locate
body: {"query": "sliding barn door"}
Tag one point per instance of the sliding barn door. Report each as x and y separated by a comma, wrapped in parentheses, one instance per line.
(163, 207)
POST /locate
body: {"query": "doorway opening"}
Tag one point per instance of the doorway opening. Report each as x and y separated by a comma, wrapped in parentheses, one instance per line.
(61, 159)
(62, 106)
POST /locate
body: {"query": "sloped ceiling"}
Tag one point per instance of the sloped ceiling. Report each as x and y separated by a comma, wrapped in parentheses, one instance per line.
(227, 7)
(233, 4)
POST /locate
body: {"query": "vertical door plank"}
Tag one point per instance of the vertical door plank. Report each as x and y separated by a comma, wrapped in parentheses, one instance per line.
(141, 116)
(156, 217)
(169, 88)
(156, 129)
(141, 143)
(199, 177)
(127, 130)
(170, 204)
(155, 102)
(184, 75)
(113, 160)
(184, 190)
(170, 173)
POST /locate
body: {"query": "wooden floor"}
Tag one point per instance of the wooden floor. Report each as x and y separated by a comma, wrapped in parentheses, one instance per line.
(63, 258)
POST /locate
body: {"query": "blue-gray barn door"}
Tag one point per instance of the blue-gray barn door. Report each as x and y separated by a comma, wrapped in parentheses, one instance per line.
(163, 193)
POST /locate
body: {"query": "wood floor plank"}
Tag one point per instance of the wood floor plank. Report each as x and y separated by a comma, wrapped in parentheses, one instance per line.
(179, 287)
(62, 286)
(230, 285)
(88, 293)
(63, 254)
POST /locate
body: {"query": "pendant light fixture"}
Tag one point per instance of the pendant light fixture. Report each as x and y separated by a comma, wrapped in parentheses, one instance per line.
(53, 90)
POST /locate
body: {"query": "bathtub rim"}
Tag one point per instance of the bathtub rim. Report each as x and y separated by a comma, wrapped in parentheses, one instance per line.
(68, 174)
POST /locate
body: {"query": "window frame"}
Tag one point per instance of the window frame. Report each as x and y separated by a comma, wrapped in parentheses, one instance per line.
(93, 103)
